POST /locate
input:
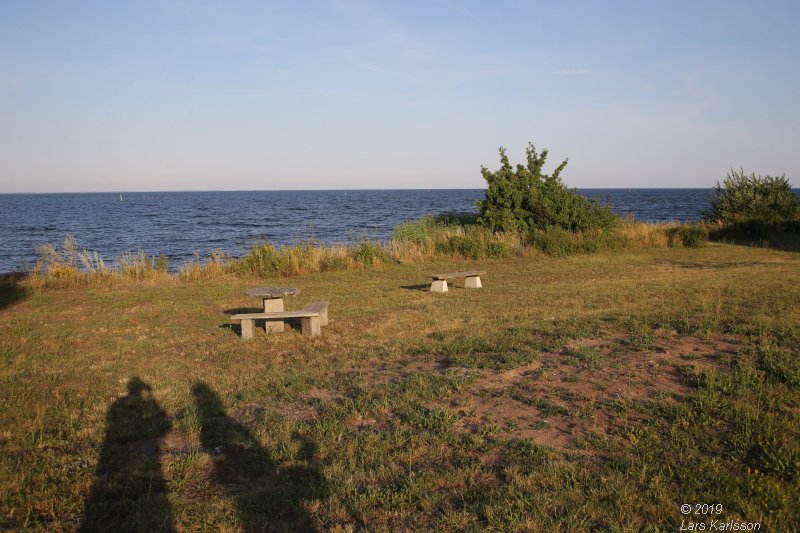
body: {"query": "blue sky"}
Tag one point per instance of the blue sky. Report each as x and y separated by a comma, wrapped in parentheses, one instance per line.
(196, 95)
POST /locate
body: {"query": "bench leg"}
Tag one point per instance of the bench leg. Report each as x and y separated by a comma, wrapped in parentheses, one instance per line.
(310, 326)
(473, 282)
(248, 328)
(323, 317)
(439, 285)
(273, 305)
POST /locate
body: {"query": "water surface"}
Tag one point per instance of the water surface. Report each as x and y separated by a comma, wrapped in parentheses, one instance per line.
(182, 224)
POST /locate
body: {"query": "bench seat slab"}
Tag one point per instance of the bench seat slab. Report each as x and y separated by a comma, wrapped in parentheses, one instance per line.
(274, 316)
(309, 322)
(467, 274)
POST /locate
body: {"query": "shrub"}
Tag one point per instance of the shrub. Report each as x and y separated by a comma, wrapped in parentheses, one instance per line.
(742, 198)
(475, 243)
(462, 218)
(369, 253)
(420, 231)
(263, 260)
(559, 242)
(753, 231)
(333, 262)
(689, 235)
(526, 200)
(555, 241)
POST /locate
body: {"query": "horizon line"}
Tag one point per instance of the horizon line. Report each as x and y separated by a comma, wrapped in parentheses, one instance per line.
(340, 190)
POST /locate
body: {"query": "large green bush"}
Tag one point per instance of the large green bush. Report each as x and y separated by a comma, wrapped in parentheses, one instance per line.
(525, 199)
(745, 198)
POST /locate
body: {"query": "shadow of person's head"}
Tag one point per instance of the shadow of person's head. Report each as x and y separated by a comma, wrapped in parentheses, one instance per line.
(207, 401)
(137, 387)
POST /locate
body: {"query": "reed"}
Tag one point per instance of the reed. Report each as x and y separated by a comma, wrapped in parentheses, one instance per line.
(640, 235)
(452, 237)
(72, 264)
(198, 270)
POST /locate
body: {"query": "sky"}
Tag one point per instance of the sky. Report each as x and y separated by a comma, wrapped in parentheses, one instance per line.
(157, 95)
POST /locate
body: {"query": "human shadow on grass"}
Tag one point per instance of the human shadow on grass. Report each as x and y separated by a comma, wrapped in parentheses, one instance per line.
(269, 496)
(129, 492)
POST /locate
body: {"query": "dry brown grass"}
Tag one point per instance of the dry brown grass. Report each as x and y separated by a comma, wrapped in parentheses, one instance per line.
(638, 235)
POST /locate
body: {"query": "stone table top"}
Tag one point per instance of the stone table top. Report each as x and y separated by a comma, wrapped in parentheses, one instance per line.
(272, 292)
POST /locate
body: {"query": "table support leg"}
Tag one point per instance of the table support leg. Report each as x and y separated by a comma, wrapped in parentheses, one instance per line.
(273, 305)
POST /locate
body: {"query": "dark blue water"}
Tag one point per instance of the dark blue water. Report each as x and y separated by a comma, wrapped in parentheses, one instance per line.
(180, 224)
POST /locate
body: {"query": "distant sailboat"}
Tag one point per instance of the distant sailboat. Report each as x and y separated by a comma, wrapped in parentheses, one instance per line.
(120, 197)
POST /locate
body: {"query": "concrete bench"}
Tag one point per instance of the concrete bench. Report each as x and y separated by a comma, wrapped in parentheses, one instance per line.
(309, 322)
(472, 280)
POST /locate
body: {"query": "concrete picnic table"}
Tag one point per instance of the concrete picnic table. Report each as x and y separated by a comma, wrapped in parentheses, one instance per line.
(273, 301)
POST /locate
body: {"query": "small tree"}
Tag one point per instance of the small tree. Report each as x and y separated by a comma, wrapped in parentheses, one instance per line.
(526, 200)
(743, 198)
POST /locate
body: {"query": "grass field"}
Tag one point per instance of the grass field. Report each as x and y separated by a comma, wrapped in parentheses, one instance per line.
(580, 393)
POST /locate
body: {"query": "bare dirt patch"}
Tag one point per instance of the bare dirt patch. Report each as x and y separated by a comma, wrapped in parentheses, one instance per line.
(390, 372)
(296, 411)
(593, 387)
(171, 443)
(325, 395)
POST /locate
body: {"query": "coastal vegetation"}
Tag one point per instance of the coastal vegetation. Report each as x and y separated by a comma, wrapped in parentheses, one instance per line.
(426, 239)
(754, 208)
(527, 200)
(744, 198)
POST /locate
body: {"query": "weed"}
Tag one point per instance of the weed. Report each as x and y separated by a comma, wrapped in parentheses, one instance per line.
(589, 357)
(689, 235)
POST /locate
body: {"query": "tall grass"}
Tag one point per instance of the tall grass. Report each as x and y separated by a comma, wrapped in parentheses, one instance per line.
(72, 264)
(451, 236)
(266, 260)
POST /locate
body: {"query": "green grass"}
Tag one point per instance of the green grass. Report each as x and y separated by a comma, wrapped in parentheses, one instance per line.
(654, 378)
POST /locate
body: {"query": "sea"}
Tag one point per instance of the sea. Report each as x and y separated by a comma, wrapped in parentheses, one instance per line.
(188, 226)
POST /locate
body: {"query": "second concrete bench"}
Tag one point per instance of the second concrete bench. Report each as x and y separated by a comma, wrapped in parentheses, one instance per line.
(472, 280)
